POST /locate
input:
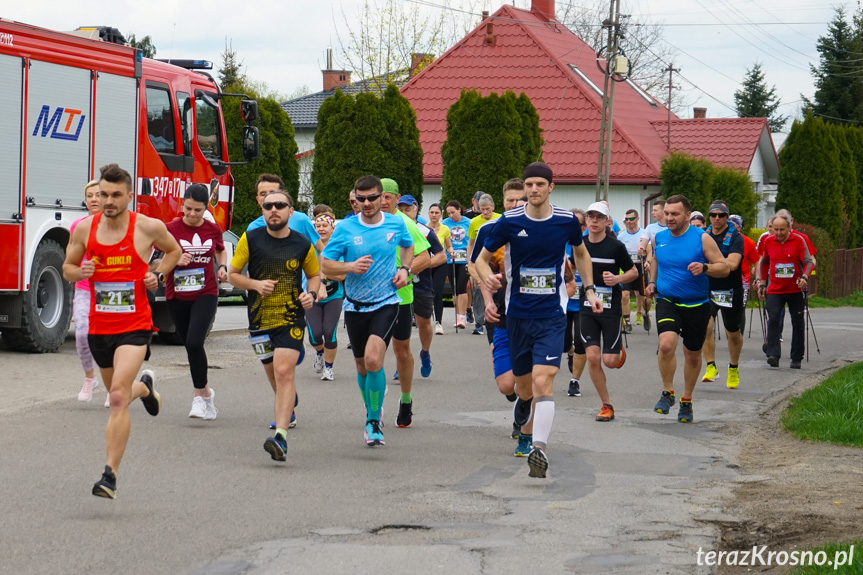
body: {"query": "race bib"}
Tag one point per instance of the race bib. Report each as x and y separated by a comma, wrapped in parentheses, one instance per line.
(722, 298)
(459, 256)
(784, 271)
(537, 281)
(262, 346)
(604, 295)
(577, 295)
(115, 297)
(189, 280)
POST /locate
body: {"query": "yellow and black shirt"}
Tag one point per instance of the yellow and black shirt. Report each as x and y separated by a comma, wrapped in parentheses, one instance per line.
(280, 259)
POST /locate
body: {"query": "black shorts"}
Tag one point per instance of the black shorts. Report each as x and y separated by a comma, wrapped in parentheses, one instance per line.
(635, 285)
(103, 346)
(607, 326)
(361, 325)
(264, 342)
(423, 304)
(460, 278)
(404, 322)
(732, 317)
(690, 322)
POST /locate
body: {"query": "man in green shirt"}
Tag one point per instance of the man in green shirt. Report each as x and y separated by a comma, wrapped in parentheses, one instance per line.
(404, 323)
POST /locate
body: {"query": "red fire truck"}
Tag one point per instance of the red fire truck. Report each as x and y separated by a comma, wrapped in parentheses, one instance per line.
(69, 105)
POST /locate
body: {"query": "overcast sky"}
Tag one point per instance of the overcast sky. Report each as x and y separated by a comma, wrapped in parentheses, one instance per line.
(283, 42)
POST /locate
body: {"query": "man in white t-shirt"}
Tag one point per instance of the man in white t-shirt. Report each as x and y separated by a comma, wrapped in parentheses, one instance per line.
(631, 236)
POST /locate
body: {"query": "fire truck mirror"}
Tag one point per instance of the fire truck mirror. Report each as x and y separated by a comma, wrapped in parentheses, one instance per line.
(251, 143)
(249, 110)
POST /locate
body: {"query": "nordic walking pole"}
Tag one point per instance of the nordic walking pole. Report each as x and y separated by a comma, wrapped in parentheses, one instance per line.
(454, 293)
(808, 324)
(644, 291)
(761, 314)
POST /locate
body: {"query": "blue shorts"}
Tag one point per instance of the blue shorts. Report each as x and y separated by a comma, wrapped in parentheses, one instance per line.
(535, 342)
(500, 353)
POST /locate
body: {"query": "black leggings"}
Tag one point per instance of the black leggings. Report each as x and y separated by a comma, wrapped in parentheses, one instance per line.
(439, 280)
(323, 319)
(193, 319)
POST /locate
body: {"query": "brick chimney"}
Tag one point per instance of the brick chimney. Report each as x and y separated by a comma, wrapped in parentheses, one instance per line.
(699, 113)
(419, 62)
(545, 8)
(334, 78)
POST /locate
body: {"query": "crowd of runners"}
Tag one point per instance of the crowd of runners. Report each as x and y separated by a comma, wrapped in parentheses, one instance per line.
(539, 281)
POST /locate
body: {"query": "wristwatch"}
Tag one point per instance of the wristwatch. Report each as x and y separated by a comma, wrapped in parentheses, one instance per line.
(223, 266)
(704, 268)
(161, 277)
(406, 268)
(589, 287)
(314, 295)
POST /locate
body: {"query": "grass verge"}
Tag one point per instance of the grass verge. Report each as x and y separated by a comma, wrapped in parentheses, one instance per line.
(851, 563)
(831, 411)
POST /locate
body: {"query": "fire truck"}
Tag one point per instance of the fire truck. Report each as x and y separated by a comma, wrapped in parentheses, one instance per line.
(68, 105)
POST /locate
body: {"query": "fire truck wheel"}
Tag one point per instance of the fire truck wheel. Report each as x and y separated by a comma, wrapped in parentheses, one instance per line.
(46, 309)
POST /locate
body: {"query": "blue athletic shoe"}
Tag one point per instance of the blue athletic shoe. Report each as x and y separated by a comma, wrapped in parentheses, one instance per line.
(425, 363)
(525, 445)
(373, 435)
(276, 447)
(396, 375)
(291, 425)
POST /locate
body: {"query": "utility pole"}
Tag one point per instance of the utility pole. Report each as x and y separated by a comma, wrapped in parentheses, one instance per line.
(671, 70)
(606, 127)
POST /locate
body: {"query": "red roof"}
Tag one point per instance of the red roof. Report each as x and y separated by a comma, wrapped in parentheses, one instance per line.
(533, 55)
(723, 141)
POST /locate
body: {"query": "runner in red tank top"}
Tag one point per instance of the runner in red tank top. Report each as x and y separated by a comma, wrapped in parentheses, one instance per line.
(116, 244)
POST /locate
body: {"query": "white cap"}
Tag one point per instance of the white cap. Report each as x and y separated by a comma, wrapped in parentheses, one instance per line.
(600, 208)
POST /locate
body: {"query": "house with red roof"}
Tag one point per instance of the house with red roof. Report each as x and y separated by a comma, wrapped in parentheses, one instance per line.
(529, 51)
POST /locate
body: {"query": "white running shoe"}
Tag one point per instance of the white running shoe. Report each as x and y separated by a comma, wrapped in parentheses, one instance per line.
(212, 412)
(108, 399)
(328, 374)
(438, 328)
(199, 408)
(86, 393)
(319, 363)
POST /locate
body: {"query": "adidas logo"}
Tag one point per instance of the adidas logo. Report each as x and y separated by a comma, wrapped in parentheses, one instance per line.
(196, 247)
(522, 234)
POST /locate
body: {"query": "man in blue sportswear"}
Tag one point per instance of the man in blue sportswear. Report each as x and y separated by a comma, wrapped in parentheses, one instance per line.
(535, 237)
(682, 258)
(367, 245)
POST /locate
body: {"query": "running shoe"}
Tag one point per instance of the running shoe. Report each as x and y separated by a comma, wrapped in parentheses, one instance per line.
(86, 393)
(438, 328)
(469, 315)
(153, 402)
(511, 397)
(684, 415)
(665, 402)
(516, 430)
(199, 408)
(319, 362)
(647, 320)
(277, 447)
(291, 425)
(639, 319)
(212, 412)
(404, 418)
(538, 463)
(627, 327)
(733, 379)
(622, 358)
(525, 444)
(710, 373)
(425, 363)
(606, 413)
(107, 486)
(773, 361)
(328, 374)
(521, 411)
(459, 323)
(796, 364)
(477, 329)
(108, 400)
(396, 375)
(372, 434)
(574, 389)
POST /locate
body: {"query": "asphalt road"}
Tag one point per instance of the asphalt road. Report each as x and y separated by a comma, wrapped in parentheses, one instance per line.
(637, 495)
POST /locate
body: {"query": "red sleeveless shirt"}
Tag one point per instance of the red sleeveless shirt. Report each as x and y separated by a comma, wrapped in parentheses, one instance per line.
(118, 301)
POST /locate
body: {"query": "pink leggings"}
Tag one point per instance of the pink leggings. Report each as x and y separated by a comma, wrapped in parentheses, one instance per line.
(81, 315)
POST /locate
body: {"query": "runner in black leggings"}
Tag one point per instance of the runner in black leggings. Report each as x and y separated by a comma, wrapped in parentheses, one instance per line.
(439, 273)
(323, 316)
(192, 290)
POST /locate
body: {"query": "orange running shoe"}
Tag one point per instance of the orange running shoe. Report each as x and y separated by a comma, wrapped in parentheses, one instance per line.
(606, 413)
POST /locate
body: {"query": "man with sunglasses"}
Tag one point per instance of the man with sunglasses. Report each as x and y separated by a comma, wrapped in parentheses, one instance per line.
(367, 246)
(277, 258)
(631, 237)
(355, 206)
(726, 294)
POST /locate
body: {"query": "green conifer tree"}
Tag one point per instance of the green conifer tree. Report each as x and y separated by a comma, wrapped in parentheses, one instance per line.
(683, 173)
(734, 186)
(850, 191)
(402, 143)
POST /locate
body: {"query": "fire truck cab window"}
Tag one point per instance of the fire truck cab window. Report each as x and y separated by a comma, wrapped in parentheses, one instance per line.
(184, 105)
(209, 132)
(160, 120)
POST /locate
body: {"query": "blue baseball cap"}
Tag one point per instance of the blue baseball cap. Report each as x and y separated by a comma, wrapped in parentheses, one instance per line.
(408, 200)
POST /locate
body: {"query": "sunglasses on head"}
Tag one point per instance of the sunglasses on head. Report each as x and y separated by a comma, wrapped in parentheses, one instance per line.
(364, 199)
(278, 205)
(719, 215)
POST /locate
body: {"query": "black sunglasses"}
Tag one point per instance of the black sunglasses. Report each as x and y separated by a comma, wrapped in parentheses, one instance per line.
(364, 199)
(719, 215)
(631, 219)
(278, 205)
